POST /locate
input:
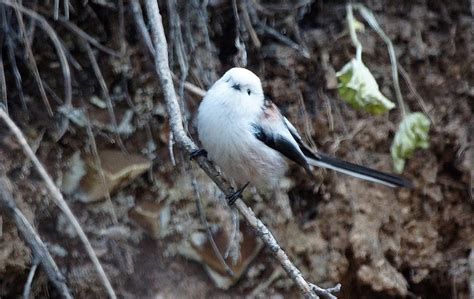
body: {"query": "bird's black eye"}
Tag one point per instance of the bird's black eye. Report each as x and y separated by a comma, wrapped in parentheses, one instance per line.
(248, 91)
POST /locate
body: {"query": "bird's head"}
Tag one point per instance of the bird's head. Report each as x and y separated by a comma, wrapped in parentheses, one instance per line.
(238, 92)
(243, 81)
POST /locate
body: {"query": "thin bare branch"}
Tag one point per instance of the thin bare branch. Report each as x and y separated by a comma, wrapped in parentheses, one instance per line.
(72, 60)
(66, 9)
(121, 30)
(59, 199)
(413, 90)
(210, 237)
(204, 63)
(180, 51)
(32, 239)
(266, 284)
(11, 57)
(32, 61)
(170, 148)
(183, 140)
(284, 39)
(248, 23)
(98, 164)
(84, 35)
(191, 87)
(3, 83)
(327, 293)
(29, 280)
(56, 9)
(105, 94)
(16, 73)
(240, 59)
(58, 47)
(141, 26)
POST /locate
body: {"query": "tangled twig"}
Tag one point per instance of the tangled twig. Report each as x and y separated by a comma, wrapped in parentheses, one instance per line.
(39, 250)
(58, 46)
(53, 189)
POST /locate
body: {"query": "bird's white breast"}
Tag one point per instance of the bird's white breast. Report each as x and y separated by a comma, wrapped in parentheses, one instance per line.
(226, 133)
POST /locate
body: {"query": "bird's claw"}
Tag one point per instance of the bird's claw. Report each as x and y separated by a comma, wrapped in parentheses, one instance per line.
(197, 153)
(231, 199)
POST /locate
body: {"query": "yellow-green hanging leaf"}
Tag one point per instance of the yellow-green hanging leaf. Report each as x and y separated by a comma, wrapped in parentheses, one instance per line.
(412, 134)
(358, 26)
(358, 87)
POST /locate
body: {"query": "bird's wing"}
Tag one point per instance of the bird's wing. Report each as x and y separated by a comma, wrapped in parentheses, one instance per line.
(277, 132)
(303, 147)
(271, 128)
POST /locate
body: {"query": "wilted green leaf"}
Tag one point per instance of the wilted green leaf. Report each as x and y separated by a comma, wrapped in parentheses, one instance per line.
(358, 87)
(412, 134)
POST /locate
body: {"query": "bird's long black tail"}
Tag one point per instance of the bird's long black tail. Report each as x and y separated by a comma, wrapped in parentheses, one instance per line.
(325, 161)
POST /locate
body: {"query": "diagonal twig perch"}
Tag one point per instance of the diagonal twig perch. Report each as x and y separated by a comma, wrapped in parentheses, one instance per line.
(182, 139)
(34, 242)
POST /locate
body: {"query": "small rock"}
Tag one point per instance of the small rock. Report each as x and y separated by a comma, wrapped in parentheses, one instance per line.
(150, 216)
(83, 178)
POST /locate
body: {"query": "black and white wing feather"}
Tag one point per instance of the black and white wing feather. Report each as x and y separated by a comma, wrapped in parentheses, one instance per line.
(277, 132)
(272, 130)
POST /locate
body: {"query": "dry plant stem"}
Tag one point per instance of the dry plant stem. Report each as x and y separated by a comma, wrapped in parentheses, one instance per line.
(180, 52)
(84, 35)
(352, 32)
(32, 239)
(266, 284)
(14, 66)
(370, 18)
(11, 56)
(66, 9)
(16, 74)
(285, 40)
(29, 281)
(326, 293)
(202, 24)
(105, 94)
(240, 59)
(57, 45)
(56, 9)
(141, 26)
(3, 83)
(249, 26)
(176, 125)
(59, 201)
(413, 90)
(32, 61)
(190, 87)
(202, 216)
(98, 163)
(121, 30)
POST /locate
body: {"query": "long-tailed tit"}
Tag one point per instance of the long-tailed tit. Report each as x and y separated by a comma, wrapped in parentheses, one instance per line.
(252, 142)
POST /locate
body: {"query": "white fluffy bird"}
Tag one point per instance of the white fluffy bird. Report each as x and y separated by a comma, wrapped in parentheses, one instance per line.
(252, 142)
